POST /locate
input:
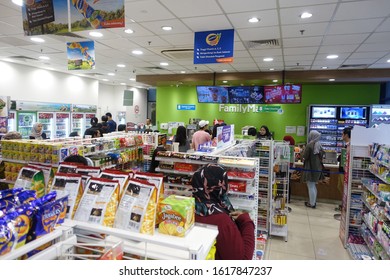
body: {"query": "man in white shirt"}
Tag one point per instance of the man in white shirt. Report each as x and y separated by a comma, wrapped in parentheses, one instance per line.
(201, 136)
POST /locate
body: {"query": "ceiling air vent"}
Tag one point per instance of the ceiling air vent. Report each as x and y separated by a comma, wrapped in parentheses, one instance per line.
(179, 54)
(262, 43)
(350, 66)
(154, 68)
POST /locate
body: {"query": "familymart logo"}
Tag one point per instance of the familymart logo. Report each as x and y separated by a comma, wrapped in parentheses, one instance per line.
(249, 108)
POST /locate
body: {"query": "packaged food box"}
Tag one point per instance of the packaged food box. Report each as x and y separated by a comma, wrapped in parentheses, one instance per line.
(237, 186)
(187, 167)
(176, 215)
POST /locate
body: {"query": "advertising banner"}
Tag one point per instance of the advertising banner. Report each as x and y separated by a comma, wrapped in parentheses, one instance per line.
(84, 108)
(41, 106)
(214, 46)
(56, 17)
(282, 94)
(81, 55)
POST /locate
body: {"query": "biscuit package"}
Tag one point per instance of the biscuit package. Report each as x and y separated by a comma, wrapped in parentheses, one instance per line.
(119, 176)
(99, 202)
(48, 174)
(68, 185)
(31, 178)
(176, 215)
(137, 207)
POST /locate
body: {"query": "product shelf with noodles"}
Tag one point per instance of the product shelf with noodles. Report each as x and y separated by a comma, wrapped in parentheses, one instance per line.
(243, 174)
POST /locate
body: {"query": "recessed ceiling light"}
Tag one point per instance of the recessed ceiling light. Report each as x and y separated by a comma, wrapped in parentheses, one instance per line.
(253, 20)
(129, 31)
(224, 70)
(274, 81)
(332, 80)
(132, 79)
(106, 80)
(332, 56)
(37, 39)
(306, 15)
(324, 67)
(224, 82)
(267, 59)
(18, 2)
(43, 57)
(271, 69)
(95, 34)
(388, 60)
(123, 84)
(164, 63)
(166, 28)
(111, 74)
(121, 65)
(183, 72)
(137, 52)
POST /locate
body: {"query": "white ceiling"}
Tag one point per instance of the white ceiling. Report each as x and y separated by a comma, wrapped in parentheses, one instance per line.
(358, 31)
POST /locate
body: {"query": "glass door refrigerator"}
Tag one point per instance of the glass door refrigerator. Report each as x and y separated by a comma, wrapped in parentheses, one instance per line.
(62, 125)
(25, 122)
(11, 125)
(88, 117)
(78, 124)
(47, 121)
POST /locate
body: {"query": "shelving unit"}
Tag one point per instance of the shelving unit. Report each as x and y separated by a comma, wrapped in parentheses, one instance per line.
(194, 246)
(362, 218)
(279, 194)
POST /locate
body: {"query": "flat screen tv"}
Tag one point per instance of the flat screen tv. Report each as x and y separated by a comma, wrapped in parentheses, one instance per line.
(323, 112)
(282, 94)
(212, 94)
(246, 95)
(353, 113)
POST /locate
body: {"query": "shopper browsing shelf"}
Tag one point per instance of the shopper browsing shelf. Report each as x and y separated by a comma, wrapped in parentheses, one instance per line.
(36, 132)
(201, 136)
(346, 136)
(94, 125)
(264, 133)
(181, 137)
(111, 123)
(235, 240)
(312, 166)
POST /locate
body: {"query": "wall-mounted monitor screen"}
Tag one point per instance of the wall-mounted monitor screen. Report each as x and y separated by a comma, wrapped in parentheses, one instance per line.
(246, 95)
(212, 94)
(353, 113)
(323, 112)
(282, 94)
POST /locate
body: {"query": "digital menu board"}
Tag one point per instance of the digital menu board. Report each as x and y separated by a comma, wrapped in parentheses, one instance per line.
(282, 94)
(212, 94)
(354, 113)
(322, 112)
(246, 95)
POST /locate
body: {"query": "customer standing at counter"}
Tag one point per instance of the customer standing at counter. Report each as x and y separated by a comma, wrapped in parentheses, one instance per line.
(312, 166)
(201, 136)
(235, 240)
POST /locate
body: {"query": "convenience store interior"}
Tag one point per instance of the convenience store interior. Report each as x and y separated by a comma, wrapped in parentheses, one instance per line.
(358, 32)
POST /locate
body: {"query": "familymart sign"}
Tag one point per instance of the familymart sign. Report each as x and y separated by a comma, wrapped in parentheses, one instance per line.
(249, 108)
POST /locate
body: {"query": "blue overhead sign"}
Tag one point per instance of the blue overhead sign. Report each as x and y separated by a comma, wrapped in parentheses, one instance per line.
(185, 107)
(214, 46)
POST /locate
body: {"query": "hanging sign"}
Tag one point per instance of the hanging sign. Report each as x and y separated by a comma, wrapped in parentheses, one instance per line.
(81, 55)
(214, 46)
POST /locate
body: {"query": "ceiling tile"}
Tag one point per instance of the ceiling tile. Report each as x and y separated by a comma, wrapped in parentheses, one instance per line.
(345, 39)
(368, 55)
(337, 49)
(321, 13)
(304, 30)
(381, 37)
(266, 52)
(363, 9)
(354, 26)
(302, 50)
(302, 42)
(374, 47)
(250, 34)
(192, 8)
(385, 26)
(295, 3)
(233, 6)
(215, 22)
(149, 10)
(267, 18)
(156, 27)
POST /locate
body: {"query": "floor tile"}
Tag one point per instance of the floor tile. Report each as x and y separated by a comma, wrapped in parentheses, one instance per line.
(275, 255)
(296, 245)
(330, 249)
(327, 222)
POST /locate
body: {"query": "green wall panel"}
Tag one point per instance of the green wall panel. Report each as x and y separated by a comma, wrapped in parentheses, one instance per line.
(291, 115)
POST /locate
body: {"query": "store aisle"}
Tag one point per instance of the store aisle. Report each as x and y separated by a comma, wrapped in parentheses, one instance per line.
(313, 234)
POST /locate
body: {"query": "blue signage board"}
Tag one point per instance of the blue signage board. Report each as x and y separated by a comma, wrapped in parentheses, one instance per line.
(185, 107)
(214, 46)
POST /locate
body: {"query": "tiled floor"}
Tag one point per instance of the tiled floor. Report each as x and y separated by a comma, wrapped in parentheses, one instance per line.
(313, 234)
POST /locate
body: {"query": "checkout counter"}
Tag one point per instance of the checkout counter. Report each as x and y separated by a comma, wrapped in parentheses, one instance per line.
(327, 190)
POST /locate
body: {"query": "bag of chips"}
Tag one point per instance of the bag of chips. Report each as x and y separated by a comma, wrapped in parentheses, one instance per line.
(99, 202)
(31, 178)
(137, 207)
(68, 185)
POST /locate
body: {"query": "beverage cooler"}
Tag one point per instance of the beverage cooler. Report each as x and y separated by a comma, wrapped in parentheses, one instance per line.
(380, 113)
(78, 123)
(330, 120)
(47, 121)
(88, 118)
(25, 122)
(62, 125)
